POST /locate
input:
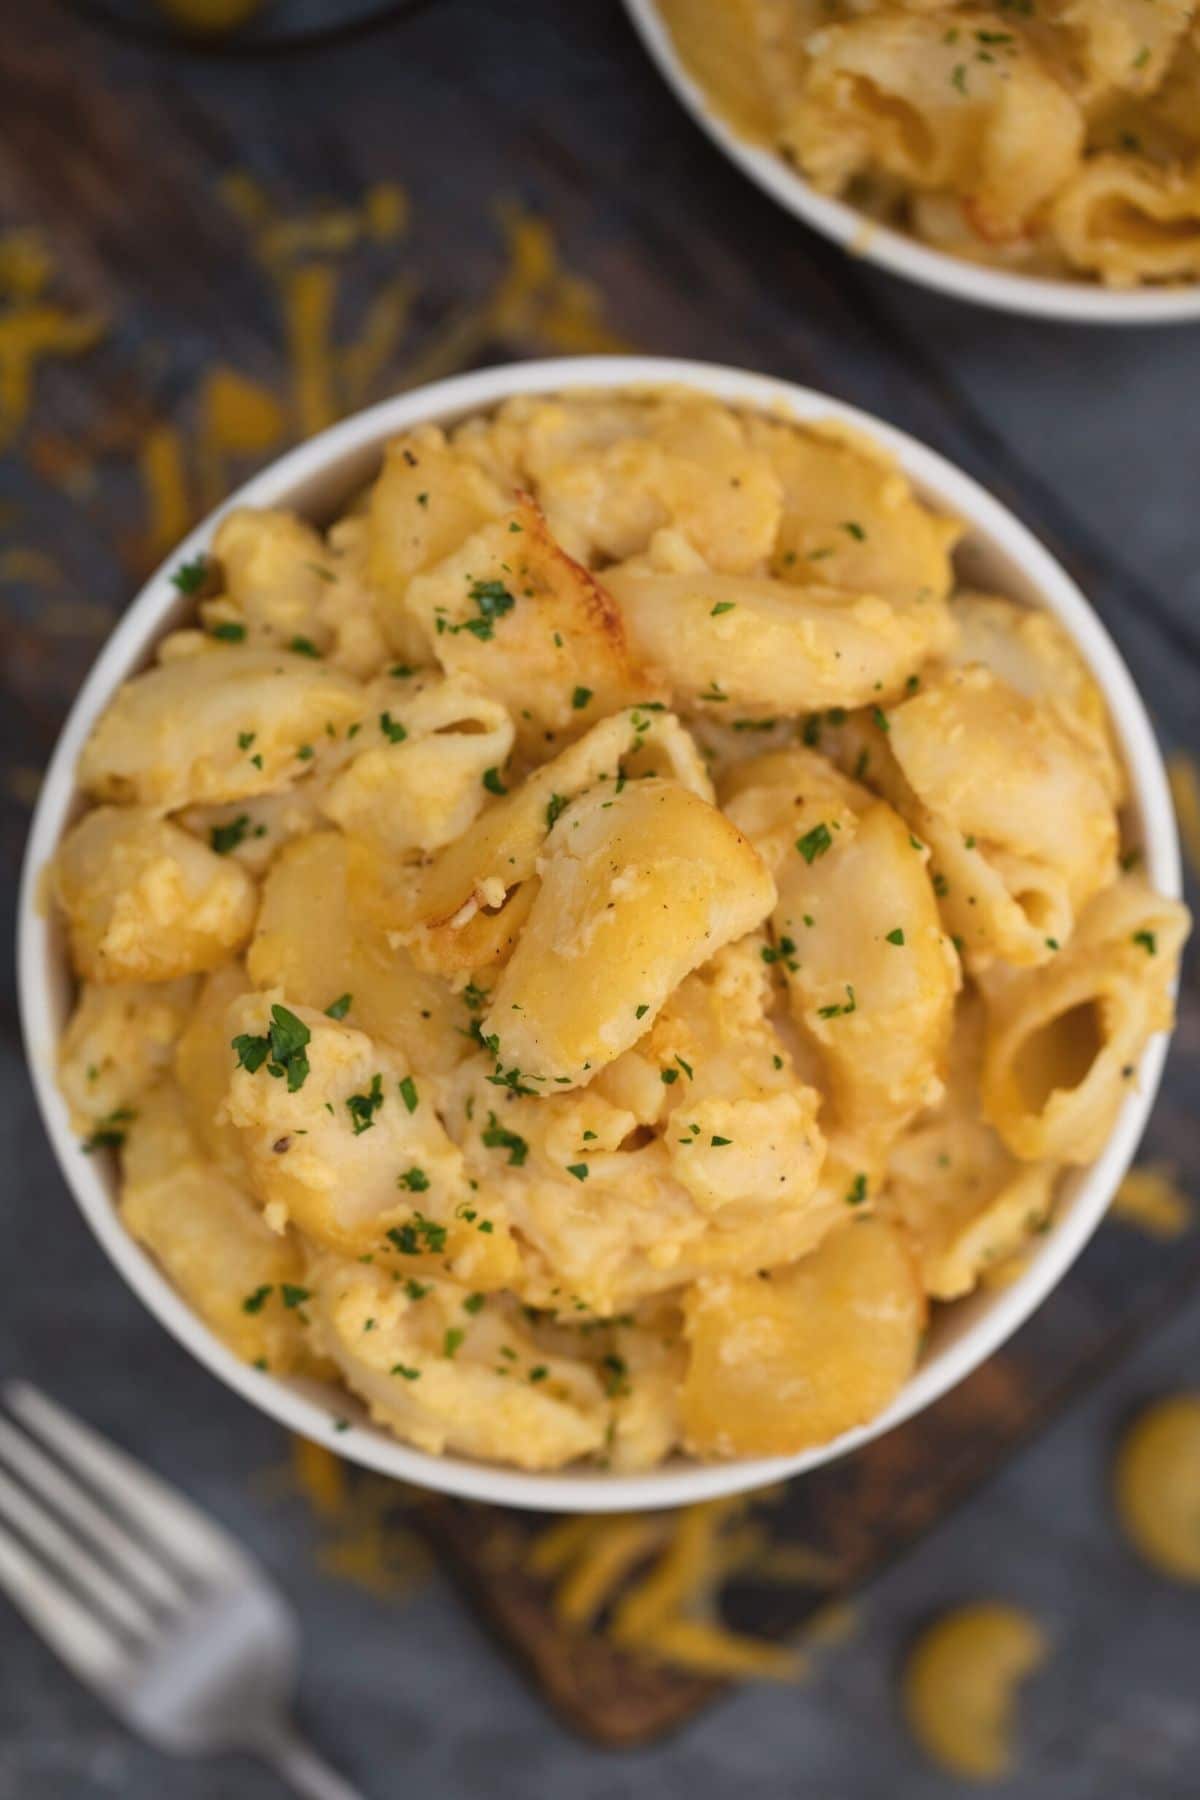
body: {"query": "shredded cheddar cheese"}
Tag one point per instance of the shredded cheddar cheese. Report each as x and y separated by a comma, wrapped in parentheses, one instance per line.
(164, 478)
(363, 1540)
(1151, 1199)
(1184, 775)
(33, 329)
(651, 1583)
(239, 417)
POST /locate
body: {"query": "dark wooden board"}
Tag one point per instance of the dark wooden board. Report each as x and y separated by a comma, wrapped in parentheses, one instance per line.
(558, 201)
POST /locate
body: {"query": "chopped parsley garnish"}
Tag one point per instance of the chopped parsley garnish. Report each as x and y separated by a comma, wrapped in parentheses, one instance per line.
(722, 606)
(254, 1303)
(784, 953)
(304, 647)
(190, 577)
(881, 719)
(108, 1133)
(718, 1143)
(475, 997)
(539, 1373)
(497, 1137)
(615, 1370)
(452, 1341)
(857, 1191)
(225, 838)
(669, 1076)
(245, 739)
(417, 1235)
(408, 1374)
(416, 1290)
(580, 698)
(896, 937)
(229, 631)
(363, 1107)
(641, 1011)
(414, 1179)
(392, 729)
(508, 1078)
(815, 843)
(555, 808)
(474, 1303)
(492, 782)
(493, 600)
(294, 1296)
(337, 1009)
(282, 1048)
(578, 1170)
(855, 530)
(408, 1093)
(685, 1066)
(849, 1005)
(1148, 941)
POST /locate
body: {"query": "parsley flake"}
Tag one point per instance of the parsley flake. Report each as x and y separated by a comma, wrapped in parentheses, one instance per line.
(363, 1107)
(815, 843)
(497, 1137)
(225, 838)
(190, 577)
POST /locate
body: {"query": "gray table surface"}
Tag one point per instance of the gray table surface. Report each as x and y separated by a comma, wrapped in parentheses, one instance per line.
(1095, 436)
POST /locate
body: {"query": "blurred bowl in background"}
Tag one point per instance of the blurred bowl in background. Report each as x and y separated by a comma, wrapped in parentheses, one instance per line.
(1080, 302)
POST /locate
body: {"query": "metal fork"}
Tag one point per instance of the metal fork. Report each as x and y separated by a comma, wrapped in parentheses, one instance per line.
(145, 1599)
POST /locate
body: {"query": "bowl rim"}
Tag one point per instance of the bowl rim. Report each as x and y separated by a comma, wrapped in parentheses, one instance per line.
(291, 1401)
(1039, 296)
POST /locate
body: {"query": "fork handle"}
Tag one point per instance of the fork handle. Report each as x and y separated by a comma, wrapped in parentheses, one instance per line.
(304, 1771)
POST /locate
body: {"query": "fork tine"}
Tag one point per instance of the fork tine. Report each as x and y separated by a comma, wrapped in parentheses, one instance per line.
(72, 1503)
(195, 1545)
(66, 1556)
(85, 1644)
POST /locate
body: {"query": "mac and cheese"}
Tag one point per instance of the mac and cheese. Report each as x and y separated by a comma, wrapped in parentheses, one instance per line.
(586, 948)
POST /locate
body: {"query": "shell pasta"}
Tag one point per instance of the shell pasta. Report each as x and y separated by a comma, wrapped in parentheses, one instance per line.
(586, 949)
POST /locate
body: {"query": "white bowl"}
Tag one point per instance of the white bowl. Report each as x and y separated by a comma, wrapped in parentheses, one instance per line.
(1084, 302)
(997, 553)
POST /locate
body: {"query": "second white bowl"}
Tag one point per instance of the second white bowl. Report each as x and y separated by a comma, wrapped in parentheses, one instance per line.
(1083, 302)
